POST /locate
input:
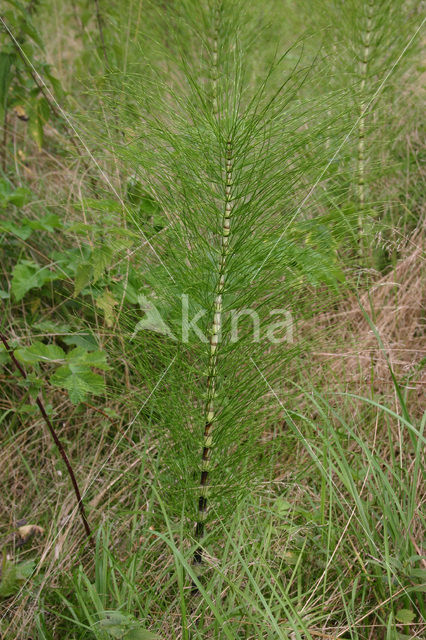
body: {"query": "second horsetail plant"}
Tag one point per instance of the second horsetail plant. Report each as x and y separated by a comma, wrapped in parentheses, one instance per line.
(369, 45)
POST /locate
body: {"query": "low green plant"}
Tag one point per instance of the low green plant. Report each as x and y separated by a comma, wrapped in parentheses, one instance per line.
(73, 370)
(14, 575)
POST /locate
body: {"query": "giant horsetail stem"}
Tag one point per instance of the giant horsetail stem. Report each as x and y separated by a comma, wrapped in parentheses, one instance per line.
(210, 408)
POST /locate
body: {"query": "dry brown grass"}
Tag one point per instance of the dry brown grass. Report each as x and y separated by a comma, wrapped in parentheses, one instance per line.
(395, 303)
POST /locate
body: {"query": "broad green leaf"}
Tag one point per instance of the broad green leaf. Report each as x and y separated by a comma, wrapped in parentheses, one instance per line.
(32, 383)
(20, 196)
(130, 291)
(47, 223)
(28, 409)
(5, 189)
(99, 205)
(282, 507)
(92, 269)
(24, 278)
(9, 581)
(119, 241)
(148, 206)
(83, 276)
(4, 356)
(6, 61)
(71, 259)
(40, 352)
(141, 634)
(405, 615)
(79, 380)
(81, 227)
(100, 259)
(85, 340)
(80, 355)
(43, 110)
(107, 302)
(115, 631)
(114, 619)
(29, 275)
(125, 233)
(21, 231)
(153, 320)
(35, 127)
(159, 221)
(28, 27)
(124, 626)
(13, 576)
(54, 328)
(56, 85)
(115, 623)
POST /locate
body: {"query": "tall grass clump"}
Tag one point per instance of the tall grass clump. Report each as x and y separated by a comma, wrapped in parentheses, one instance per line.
(335, 527)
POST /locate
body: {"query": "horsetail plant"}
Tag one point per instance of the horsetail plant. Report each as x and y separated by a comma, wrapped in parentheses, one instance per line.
(379, 69)
(215, 330)
(212, 366)
(223, 157)
(368, 48)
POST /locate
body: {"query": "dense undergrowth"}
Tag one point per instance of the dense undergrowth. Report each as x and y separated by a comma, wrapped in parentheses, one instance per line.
(256, 472)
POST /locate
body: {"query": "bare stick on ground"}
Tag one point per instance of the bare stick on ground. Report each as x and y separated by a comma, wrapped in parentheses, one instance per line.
(58, 443)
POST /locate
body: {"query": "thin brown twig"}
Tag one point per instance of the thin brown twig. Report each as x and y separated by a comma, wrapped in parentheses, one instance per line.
(55, 437)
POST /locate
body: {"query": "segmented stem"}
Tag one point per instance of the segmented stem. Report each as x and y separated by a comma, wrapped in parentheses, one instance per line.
(215, 334)
(366, 41)
(215, 69)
